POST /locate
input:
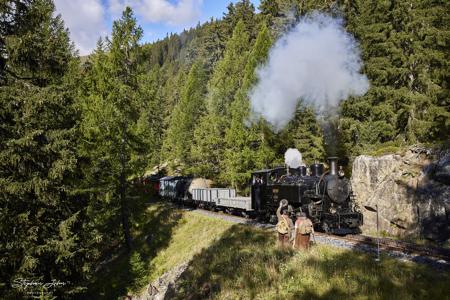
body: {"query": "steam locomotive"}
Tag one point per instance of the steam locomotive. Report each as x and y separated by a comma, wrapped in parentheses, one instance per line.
(326, 197)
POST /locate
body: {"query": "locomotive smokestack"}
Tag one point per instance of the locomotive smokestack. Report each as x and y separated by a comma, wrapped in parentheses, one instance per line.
(333, 165)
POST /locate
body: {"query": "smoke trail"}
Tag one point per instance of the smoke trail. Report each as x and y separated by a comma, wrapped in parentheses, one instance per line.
(317, 62)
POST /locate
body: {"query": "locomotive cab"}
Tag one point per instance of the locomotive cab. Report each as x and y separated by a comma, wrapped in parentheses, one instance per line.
(270, 186)
(259, 189)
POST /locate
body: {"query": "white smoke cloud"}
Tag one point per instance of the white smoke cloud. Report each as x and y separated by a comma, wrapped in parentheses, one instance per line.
(293, 158)
(317, 62)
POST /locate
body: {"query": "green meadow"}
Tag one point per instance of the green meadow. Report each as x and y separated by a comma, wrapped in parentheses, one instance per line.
(234, 261)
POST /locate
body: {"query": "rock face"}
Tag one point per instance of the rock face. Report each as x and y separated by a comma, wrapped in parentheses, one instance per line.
(412, 193)
(442, 170)
(164, 287)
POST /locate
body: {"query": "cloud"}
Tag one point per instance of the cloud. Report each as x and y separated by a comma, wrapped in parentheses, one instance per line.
(85, 20)
(183, 12)
(88, 20)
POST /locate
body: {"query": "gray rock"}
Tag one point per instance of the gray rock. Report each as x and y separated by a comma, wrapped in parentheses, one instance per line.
(442, 169)
(411, 201)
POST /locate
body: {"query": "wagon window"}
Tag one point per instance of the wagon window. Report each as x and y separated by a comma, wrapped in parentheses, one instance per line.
(273, 177)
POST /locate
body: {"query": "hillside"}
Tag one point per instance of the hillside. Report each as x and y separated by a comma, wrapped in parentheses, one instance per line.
(230, 261)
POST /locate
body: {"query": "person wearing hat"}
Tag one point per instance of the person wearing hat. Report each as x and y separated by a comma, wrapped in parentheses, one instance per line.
(303, 229)
(284, 226)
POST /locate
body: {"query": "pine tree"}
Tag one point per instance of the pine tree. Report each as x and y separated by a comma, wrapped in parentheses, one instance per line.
(405, 58)
(208, 147)
(307, 136)
(41, 211)
(245, 149)
(111, 110)
(178, 142)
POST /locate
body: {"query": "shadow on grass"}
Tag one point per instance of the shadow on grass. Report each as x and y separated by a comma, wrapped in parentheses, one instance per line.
(128, 271)
(243, 257)
(356, 275)
(245, 264)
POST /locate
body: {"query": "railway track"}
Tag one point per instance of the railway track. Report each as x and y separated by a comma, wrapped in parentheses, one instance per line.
(396, 248)
(402, 246)
(434, 256)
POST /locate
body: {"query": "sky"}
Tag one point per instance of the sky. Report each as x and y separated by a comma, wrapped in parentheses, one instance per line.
(88, 20)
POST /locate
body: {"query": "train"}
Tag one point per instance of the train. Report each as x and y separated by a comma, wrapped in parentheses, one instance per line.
(325, 196)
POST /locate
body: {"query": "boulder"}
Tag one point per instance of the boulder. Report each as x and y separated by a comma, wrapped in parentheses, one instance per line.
(411, 198)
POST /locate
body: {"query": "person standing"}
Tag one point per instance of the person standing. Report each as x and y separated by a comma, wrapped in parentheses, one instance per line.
(302, 231)
(284, 226)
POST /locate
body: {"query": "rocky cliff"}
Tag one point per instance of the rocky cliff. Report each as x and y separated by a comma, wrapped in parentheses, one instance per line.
(411, 191)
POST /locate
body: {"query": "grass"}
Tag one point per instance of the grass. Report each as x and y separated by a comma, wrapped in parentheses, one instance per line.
(251, 267)
(231, 261)
(166, 237)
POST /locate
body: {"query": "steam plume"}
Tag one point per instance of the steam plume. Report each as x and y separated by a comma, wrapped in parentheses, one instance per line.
(317, 62)
(293, 158)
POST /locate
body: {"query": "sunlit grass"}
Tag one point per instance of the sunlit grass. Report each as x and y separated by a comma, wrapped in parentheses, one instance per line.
(195, 232)
(246, 264)
(165, 237)
(230, 261)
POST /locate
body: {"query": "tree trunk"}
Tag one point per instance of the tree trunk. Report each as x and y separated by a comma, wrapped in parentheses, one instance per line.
(123, 202)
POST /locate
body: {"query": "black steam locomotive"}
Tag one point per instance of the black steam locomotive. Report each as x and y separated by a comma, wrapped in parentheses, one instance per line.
(326, 197)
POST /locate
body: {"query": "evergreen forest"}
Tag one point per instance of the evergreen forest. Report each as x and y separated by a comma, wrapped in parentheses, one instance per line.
(76, 132)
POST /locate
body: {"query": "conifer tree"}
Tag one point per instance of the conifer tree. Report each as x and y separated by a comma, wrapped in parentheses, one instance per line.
(149, 126)
(110, 114)
(245, 147)
(241, 11)
(227, 78)
(180, 133)
(405, 57)
(229, 72)
(41, 211)
(305, 134)
(209, 45)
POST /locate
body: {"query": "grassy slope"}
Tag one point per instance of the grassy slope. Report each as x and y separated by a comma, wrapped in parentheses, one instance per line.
(231, 261)
(165, 239)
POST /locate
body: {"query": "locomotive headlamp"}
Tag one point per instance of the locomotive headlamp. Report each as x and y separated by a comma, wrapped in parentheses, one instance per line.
(341, 172)
(333, 210)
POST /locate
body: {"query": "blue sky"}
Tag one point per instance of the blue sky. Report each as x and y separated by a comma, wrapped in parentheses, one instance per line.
(87, 20)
